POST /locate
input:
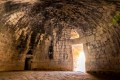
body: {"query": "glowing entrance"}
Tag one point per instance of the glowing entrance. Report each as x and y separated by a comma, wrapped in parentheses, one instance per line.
(78, 58)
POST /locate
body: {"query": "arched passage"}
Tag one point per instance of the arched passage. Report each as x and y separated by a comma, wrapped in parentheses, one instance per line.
(77, 52)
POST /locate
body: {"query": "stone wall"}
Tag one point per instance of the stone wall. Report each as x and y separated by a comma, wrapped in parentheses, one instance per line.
(25, 27)
(101, 45)
(62, 55)
(10, 59)
(103, 50)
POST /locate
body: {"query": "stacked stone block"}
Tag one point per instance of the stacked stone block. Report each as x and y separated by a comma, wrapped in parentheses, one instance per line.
(62, 55)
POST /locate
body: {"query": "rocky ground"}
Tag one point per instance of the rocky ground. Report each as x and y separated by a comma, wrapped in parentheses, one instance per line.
(44, 75)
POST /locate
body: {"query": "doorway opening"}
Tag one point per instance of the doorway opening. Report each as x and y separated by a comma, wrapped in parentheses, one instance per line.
(28, 64)
(78, 58)
(28, 60)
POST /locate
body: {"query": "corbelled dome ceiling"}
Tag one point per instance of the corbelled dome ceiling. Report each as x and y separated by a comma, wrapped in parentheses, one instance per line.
(45, 15)
(42, 28)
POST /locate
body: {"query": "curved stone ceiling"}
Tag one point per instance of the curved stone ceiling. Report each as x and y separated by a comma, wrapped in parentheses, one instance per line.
(33, 26)
(46, 15)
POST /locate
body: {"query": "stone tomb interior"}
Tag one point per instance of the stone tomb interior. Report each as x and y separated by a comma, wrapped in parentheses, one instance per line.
(59, 39)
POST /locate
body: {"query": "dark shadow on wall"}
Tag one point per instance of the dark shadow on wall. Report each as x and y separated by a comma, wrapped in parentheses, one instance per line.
(12, 6)
(105, 75)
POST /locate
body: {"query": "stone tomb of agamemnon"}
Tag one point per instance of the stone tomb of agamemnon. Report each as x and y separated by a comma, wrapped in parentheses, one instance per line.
(36, 34)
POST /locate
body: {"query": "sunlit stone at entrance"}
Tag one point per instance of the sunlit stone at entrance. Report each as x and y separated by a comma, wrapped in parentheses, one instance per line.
(81, 62)
(78, 58)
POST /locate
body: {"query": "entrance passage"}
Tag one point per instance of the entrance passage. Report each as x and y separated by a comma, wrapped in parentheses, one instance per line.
(28, 60)
(28, 64)
(78, 58)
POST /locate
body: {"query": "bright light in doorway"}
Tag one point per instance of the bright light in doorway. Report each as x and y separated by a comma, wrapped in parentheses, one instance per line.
(81, 62)
(78, 58)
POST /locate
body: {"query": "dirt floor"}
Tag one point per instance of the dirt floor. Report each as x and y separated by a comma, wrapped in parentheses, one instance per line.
(52, 75)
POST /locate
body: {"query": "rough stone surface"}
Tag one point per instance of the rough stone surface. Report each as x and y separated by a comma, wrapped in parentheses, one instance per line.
(54, 75)
(37, 33)
(104, 52)
(62, 54)
(31, 75)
